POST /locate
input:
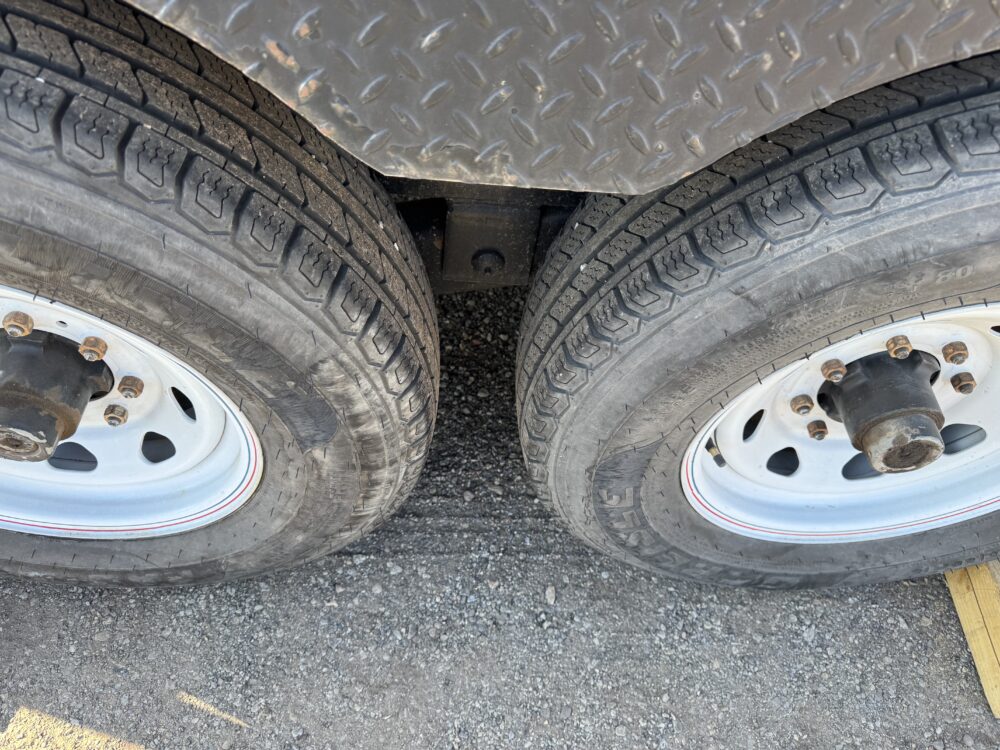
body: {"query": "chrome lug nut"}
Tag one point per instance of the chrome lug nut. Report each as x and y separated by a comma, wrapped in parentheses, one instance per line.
(817, 429)
(899, 347)
(116, 415)
(955, 353)
(130, 387)
(834, 370)
(93, 349)
(18, 324)
(963, 382)
(802, 404)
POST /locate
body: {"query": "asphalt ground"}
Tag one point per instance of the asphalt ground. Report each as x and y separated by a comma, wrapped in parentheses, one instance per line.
(473, 620)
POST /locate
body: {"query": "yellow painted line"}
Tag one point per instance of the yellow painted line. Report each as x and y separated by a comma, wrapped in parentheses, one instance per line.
(34, 730)
(208, 708)
(976, 593)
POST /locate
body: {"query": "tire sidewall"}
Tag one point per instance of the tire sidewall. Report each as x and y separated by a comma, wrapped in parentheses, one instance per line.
(616, 463)
(91, 251)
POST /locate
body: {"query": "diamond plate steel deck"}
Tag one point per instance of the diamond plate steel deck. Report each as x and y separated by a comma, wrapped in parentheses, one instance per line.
(602, 95)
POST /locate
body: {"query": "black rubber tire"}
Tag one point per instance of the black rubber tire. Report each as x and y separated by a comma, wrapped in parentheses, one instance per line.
(650, 313)
(144, 181)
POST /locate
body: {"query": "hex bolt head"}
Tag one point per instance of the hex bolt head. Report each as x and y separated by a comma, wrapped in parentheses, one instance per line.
(955, 353)
(802, 404)
(817, 429)
(131, 387)
(488, 261)
(18, 324)
(899, 347)
(116, 415)
(963, 382)
(834, 370)
(93, 349)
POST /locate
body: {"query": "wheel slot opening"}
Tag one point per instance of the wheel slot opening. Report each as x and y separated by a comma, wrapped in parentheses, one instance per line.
(185, 403)
(752, 424)
(156, 448)
(100, 394)
(960, 437)
(72, 457)
(859, 467)
(784, 462)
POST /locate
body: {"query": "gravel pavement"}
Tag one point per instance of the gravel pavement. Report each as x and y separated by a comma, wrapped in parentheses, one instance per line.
(473, 620)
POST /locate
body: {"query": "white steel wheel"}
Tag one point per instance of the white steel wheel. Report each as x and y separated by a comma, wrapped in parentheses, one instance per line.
(184, 456)
(758, 470)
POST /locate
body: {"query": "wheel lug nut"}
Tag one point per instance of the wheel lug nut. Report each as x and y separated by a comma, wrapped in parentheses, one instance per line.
(93, 349)
(116, 415)
(899, 347)
(955, 353)
(834, 370)
(130, 387)
(963, 382)
(817, 429)
(802, 404)
(18, 324)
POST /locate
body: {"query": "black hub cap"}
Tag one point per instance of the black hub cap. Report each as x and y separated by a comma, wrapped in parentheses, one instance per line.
(889, 409)
(45, 384)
